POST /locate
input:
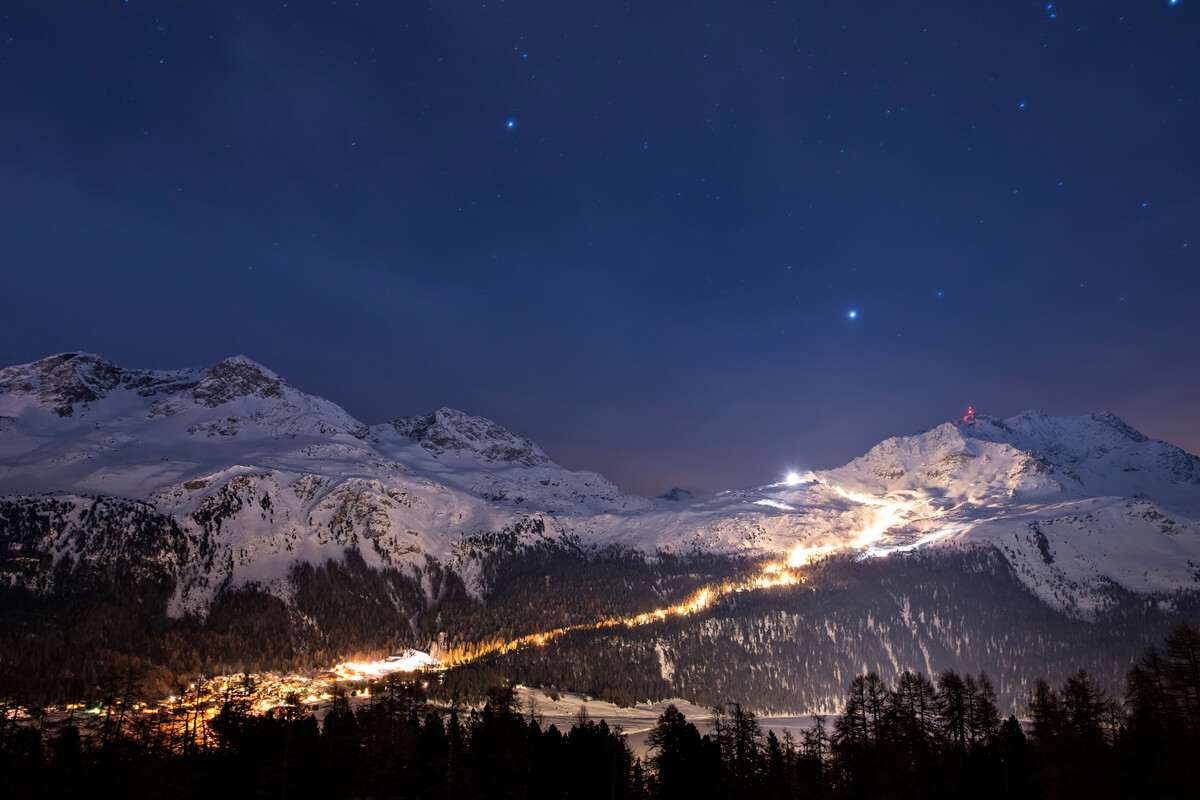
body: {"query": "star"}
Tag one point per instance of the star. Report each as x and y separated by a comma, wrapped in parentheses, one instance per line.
(510, 124)
(853, 314)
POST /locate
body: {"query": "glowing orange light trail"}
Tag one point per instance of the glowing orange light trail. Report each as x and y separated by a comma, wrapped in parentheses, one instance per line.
(770, 575)
(272, 690)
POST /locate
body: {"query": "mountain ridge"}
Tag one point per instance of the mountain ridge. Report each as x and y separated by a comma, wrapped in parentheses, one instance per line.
(237, 436)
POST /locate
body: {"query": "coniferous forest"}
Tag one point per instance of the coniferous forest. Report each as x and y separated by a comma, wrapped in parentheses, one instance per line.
(788, 648)
(919, 737)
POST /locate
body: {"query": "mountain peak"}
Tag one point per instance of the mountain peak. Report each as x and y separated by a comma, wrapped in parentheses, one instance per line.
(449, 430)
(63, 381)
(241, 360)
(1095, 455)
(1033, 429)
(1113, 421)
(238, 376)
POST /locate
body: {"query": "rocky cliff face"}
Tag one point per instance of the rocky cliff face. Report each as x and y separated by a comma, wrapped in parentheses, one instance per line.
(450, 431)
(236, 378)
(70, 382)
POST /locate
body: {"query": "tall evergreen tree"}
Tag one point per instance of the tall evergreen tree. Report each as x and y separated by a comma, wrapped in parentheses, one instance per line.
(953, 711)
(674, 745)
(1183, 673)
(983, 718)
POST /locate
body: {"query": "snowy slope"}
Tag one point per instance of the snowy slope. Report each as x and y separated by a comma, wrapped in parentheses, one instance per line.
(271, 473)
(1031, 457)
(265, 474)
(1076, 504)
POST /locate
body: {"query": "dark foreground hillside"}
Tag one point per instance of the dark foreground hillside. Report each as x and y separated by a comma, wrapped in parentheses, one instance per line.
(919, 737)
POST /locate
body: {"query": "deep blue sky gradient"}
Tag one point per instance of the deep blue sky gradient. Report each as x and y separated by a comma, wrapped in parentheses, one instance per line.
(649, 272)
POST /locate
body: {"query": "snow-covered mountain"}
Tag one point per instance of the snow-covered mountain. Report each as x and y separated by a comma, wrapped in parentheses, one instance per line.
(257, 475)
(268, 473)
(1029, 457)
(1075, 504)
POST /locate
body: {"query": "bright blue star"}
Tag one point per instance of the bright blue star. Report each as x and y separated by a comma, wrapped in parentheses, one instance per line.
(1173, 2)
(1021, 104)
(853, 314)
(512, 123)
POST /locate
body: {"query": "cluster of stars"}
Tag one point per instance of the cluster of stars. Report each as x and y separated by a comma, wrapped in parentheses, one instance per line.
(687, 183)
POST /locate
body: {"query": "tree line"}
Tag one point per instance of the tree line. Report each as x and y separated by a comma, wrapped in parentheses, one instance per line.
(919, 737)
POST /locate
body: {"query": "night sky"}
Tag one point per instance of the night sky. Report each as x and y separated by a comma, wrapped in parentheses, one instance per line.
(683, 244)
